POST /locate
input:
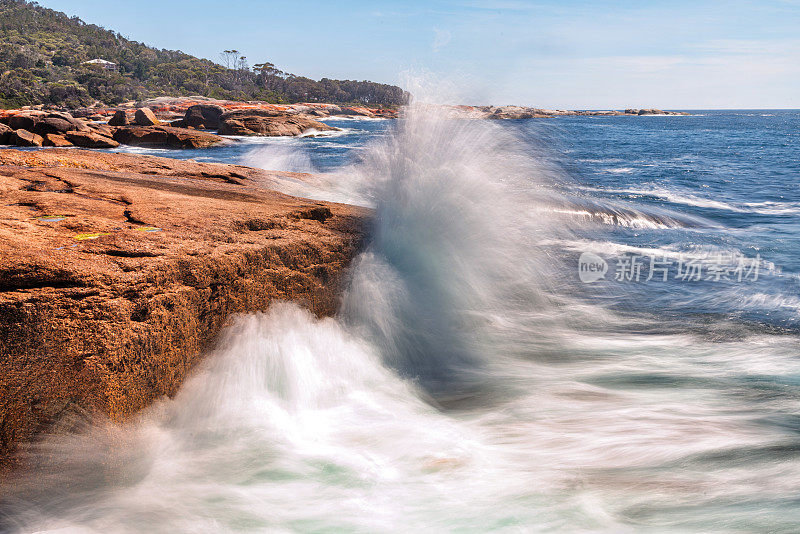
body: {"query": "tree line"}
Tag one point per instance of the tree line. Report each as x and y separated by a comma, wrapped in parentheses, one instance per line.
(43, 54)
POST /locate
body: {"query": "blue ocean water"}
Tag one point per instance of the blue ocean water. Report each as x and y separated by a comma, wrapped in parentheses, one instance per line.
(475, 379)
(717, 187)
(311, 153)
(736, 172)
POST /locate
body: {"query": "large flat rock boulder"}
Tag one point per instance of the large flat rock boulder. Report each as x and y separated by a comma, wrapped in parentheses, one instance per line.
(56, 140)
(90, 140)
(165, 136)
(117, 272)
(268, 123)
(25, 138)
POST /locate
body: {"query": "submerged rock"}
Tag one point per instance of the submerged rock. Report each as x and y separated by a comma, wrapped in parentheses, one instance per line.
(117, 272)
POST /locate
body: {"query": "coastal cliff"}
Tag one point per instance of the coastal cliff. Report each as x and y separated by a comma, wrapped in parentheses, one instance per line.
(117, 272)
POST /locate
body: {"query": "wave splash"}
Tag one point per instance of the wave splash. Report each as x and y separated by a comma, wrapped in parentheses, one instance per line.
(289, 405)
(462, 387)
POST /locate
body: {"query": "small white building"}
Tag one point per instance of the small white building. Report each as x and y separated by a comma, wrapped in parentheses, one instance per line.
(102, 63)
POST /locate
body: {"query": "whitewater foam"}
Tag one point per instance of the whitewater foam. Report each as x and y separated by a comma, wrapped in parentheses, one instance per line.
(463, 387)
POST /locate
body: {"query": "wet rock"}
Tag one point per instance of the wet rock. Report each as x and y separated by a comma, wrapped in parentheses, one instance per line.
(165, 136)
(119, 320)
(145, 117)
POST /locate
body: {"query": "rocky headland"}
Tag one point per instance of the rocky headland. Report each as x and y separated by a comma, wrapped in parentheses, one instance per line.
(117, 272)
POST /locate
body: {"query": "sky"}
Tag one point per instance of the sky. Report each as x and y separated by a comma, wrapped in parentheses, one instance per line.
(565, 54)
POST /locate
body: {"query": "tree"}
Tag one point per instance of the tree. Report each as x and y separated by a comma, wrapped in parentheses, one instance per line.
(228, 58)
(42, 51)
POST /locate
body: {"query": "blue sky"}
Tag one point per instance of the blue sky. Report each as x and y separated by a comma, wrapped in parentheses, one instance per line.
(559, 54)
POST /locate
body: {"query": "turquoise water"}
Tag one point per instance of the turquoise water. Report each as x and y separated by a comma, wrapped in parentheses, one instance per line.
(472, 381)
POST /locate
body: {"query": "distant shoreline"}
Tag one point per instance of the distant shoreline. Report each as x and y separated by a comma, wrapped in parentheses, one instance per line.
(173, 107)
(522, 112)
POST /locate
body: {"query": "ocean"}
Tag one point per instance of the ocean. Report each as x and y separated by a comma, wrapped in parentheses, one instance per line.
(577, 324)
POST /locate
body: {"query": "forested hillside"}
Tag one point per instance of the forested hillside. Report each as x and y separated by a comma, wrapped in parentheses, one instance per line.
(42, 55)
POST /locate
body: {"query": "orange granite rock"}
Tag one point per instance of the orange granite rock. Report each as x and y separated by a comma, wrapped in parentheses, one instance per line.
(117, 272)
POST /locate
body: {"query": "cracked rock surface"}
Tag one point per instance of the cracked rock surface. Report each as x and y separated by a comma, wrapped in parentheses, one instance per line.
(118, 271)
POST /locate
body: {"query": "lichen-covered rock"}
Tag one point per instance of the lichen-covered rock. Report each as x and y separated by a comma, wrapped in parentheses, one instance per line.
(117, 272)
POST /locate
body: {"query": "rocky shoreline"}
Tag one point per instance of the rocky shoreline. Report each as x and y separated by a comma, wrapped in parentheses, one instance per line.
(117, 272)
(145, 127)
(188, 122)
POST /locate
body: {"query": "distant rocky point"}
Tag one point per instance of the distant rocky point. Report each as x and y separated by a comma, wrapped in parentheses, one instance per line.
(520, 112)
